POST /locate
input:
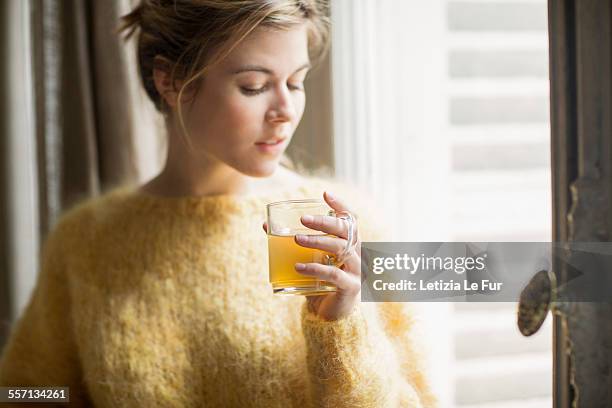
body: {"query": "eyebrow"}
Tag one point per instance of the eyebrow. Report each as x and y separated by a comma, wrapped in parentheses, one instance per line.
(259, 68)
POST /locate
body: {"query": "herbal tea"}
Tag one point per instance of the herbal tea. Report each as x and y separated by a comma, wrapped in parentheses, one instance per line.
(284, 222)
(283, 254)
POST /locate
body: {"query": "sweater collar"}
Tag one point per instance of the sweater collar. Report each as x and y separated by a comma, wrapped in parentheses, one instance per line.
(142, 200)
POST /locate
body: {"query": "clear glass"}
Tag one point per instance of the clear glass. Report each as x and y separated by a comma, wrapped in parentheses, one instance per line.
(284, 222)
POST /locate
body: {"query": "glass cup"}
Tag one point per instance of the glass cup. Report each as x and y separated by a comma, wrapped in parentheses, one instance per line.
(283, 219)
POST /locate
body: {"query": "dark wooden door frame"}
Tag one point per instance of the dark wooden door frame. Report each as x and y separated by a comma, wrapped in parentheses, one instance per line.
(581, 140)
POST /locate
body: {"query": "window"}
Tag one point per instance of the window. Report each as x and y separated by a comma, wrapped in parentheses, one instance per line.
(441, 111)
(499, 132)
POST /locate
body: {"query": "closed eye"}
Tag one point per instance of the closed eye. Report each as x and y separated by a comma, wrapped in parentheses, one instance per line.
(257, 91)
(296, 86)
(253, 91)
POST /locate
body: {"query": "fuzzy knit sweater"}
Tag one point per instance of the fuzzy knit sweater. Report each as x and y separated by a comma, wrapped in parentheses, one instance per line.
(149, 301)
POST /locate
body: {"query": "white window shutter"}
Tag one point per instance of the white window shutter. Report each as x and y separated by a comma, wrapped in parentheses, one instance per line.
(499, 132)
(441, 111)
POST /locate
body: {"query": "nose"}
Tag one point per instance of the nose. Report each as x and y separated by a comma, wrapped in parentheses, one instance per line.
(282, 108)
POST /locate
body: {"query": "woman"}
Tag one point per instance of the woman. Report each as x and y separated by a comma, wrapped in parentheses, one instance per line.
(158, 295)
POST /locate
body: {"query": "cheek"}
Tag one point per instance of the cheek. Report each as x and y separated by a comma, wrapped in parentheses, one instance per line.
(243, 121)
(229, 115)
(238, 122)
(243, 112)
(300, 105)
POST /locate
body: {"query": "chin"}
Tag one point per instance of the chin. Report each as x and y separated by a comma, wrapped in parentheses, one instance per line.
(265, 169)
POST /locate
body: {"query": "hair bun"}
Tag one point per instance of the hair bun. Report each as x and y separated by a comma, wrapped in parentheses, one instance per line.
(131, 21)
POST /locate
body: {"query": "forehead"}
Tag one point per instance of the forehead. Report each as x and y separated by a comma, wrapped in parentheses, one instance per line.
(277, 49)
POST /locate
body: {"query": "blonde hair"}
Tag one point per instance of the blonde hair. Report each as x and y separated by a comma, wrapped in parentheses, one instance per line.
(193, 35)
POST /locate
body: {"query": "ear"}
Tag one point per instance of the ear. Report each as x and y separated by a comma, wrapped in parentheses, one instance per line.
(162, 69)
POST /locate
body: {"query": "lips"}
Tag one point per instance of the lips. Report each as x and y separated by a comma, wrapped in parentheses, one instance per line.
(271, 142)
(273, 146)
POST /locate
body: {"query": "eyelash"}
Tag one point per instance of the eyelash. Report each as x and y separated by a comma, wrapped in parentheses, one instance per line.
(253, 92)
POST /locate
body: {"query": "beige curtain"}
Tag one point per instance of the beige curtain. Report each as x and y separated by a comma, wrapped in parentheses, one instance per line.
(86, 104)
(85, 100)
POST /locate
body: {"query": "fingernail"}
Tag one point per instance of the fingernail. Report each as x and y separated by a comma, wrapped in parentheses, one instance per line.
(307, 218)
(301, 238)
(330, 196)
(300, 266)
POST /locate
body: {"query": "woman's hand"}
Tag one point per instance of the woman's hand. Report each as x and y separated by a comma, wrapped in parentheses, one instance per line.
(347, 277)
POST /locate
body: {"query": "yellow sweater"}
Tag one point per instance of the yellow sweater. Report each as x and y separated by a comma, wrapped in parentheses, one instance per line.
(146, 301)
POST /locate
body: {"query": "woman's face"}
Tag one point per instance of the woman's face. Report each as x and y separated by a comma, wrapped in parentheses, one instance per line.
(254, 95)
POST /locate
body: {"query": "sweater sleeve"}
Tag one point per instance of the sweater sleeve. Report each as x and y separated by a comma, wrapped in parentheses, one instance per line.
(363, 360)
(41, 349)
(371, 357)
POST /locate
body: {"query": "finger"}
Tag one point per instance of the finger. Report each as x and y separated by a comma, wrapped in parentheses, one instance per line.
(265, 226)
(335, 246)
(331, 244)
(331, 274)
(339, 205)
(335, 202)
(326, 223)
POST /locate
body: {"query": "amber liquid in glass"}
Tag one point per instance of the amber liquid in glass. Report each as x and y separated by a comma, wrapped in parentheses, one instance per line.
(284, 253)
